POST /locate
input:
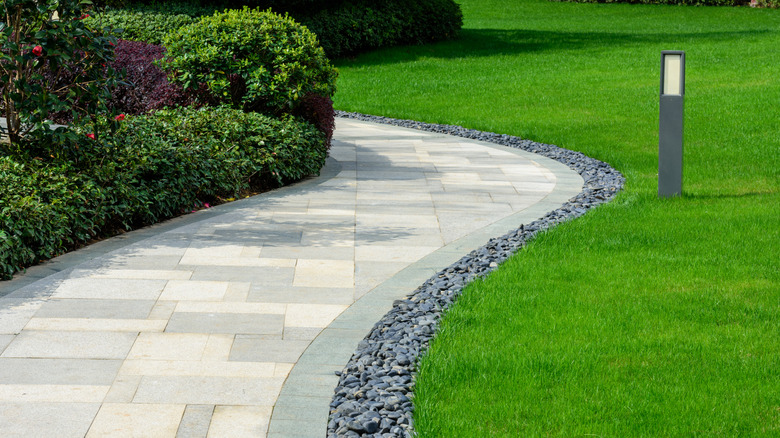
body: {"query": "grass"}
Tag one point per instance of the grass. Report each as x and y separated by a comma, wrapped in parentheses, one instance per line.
(646, 317)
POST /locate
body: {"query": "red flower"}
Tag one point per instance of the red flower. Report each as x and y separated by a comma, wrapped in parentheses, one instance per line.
(37, 50)
(92, 136)
(119, 118)
(83, 16)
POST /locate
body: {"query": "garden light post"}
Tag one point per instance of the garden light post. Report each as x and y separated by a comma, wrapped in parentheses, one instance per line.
(670, 123)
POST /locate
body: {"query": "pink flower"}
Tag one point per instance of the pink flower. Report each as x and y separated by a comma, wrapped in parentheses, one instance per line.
(37, 50)
(207, 205)
(119, 118)
(92, 136)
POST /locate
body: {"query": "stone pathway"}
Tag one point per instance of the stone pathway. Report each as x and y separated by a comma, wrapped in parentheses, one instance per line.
(231, 321)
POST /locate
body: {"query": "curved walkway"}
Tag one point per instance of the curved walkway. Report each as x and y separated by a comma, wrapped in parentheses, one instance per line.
(232, 321)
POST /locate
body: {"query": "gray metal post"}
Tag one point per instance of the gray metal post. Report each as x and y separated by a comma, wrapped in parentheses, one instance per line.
(670, 124)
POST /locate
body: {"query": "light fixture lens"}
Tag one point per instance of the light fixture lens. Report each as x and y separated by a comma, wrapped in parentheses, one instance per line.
(672, 67)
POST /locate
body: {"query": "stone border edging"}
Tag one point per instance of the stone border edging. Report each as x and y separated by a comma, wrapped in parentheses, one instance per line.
(373, 396)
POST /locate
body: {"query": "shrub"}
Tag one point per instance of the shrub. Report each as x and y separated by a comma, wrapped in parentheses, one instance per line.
(146, 85)
(149, 23)
(318, 110)
(155, 166)
(249, 59)
(35, 43)
(355, 26)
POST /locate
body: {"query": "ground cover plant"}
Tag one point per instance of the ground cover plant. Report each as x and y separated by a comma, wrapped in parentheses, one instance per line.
(646, 317)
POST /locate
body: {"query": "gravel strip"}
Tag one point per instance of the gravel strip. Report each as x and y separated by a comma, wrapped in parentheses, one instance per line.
(373, 397)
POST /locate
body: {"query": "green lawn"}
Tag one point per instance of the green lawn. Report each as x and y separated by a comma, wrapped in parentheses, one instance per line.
(646, 317)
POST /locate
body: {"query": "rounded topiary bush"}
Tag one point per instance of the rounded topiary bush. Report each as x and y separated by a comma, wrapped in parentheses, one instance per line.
(250, 59)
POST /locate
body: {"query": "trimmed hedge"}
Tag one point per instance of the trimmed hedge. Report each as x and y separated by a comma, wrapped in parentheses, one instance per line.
(155, 167)
(342, 27)
(356, 26)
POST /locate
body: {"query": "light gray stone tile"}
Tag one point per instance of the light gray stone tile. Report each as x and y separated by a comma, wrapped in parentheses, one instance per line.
(58, 371)
(228, 323)
(86, 308)
(61, 420)
(75, 345)
(5, 340)
(134, 419)
(208, 390)
(271, 275)
(104, 288)
(195, 422)
(305, 295)
(248, 348)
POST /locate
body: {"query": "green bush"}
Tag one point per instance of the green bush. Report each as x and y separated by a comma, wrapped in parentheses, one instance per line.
(155, 167)
(342, 27)
(250, 59)
(361, 25)
(149, 23)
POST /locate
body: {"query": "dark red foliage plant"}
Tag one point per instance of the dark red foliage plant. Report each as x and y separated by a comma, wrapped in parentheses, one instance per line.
(318, 110)
(146, 86)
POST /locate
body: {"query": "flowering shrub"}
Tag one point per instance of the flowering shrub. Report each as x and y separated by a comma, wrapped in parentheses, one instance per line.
(35, 43)
(250, 59)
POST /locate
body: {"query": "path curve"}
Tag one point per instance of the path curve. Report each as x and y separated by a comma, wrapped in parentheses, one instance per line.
(233, 321)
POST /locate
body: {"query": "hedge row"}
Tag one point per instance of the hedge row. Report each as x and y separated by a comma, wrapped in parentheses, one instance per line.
(158, 166)
(342, 27)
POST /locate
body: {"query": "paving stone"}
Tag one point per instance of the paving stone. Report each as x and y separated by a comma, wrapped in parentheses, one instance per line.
(302, 295)
(311, 315)
(95, 324)
(136, 420)
(105, 288)
(193, 290)
(195, 422)
(272, 276)
(85, 308)
(12, 393)
(240, 421)
(61, 420)
(169, 346)
(5, 340)
(226, 323)
(75, 345)
(244, 391)
(58, 371)
(248, 348)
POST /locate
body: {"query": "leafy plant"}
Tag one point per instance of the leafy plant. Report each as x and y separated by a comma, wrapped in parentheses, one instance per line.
(35, 43)
(250, 59)
(153, 167)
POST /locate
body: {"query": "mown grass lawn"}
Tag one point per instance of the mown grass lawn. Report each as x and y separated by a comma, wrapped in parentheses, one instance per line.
(646, 317)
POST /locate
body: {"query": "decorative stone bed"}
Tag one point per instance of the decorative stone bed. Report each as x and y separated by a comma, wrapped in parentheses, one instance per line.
(373, 397)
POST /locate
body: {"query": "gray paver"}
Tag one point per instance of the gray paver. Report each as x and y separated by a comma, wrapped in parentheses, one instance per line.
(58, 371)
(248, 348)
(195, 422)
(70, 345)
(80, 308)
(246, 323)
(205, 390)
(62, 420)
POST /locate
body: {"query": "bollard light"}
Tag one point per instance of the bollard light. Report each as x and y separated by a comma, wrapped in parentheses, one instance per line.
(670, 123)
